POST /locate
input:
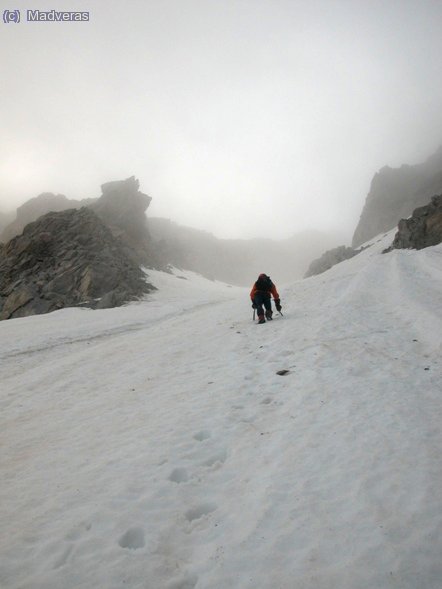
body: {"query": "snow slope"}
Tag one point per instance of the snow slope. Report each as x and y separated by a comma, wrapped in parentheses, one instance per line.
(154, 446)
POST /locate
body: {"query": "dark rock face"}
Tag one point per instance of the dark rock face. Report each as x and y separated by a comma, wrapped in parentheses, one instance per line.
(63, 259)
(395, 193)
(329, 259)
(122, 208)
(35, 207)
(422, 229)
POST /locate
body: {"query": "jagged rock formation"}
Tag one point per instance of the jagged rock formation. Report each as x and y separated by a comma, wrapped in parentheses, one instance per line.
(122, 208)
(329, 259)
(422, 229)
(67, 258)
(40, 205)
(394, 193)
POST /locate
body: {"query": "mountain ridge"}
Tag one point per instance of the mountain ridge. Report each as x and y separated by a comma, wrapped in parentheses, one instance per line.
(394, 194)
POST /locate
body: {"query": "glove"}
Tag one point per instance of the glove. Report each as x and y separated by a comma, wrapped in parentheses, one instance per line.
(278, 304)
(253, 306)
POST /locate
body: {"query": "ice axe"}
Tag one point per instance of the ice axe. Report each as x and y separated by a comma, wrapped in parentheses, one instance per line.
(278, 306)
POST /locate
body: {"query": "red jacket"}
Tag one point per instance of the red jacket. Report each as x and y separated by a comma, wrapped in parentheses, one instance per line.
(272, 290)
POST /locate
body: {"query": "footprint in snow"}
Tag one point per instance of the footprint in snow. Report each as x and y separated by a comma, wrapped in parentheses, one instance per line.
(63, 558)
(266, 401)
(199, 511)
(179, 475)
(133, 539)
(201, 436)
(218, 458)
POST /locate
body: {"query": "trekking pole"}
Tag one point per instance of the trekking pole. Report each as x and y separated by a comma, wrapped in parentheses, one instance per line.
(254, 311)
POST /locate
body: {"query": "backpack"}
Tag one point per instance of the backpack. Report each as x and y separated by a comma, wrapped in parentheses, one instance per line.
(264, 283)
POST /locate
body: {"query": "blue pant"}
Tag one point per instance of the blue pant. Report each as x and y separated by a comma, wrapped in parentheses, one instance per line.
(263, 299)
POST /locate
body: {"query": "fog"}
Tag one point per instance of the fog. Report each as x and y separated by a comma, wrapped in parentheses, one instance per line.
(245, 118)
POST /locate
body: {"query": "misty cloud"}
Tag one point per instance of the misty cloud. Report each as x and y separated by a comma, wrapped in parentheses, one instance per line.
(244, 118)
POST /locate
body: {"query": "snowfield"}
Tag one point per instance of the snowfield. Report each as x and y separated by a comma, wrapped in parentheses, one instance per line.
(154, 446)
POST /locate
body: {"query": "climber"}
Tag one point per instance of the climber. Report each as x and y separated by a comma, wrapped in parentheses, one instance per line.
(260, 295)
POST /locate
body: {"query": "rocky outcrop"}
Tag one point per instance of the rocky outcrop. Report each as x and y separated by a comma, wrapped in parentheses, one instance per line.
(35, 207)
(122, 207)
(67, 258)
(422, 229)
(395, 193)
(329, 259)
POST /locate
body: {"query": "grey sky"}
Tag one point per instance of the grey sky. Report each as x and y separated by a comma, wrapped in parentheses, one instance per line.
(242, 117)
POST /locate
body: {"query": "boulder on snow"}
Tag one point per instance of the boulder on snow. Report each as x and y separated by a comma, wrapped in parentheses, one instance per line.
(422, 229)
(65, 259)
